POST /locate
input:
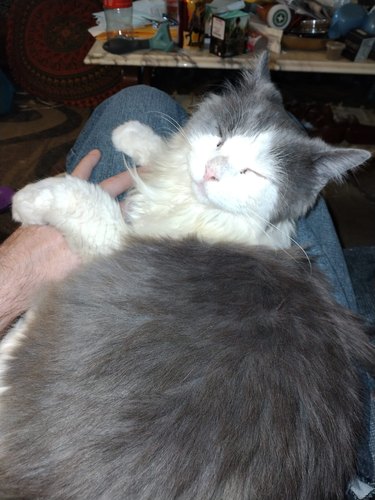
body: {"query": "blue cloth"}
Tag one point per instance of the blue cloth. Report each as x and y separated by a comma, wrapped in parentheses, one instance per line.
(361, 266)
(315, 232)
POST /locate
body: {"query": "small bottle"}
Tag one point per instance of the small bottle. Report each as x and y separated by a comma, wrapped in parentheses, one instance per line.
(119, 18)
(191, 22)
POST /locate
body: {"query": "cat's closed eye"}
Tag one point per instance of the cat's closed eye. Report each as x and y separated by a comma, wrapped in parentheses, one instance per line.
(220, 134)
(251, 171)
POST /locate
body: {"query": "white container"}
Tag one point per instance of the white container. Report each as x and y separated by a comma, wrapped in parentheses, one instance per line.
(119, 18)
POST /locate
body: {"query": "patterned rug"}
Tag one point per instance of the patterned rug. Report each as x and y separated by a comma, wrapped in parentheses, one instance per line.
(47, 41)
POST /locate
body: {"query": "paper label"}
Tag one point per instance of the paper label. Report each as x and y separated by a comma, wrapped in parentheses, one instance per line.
(218, 28)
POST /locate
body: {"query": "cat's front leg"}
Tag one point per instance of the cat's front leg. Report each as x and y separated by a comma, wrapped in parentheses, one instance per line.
(138, 141)
(87, 216)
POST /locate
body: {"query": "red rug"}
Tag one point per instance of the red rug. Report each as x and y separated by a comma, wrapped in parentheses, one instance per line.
(47, 41)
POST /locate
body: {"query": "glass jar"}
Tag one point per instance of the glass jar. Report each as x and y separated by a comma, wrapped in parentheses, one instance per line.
(119, 18)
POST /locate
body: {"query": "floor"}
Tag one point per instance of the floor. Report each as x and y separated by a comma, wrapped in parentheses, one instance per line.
(34, 141)
(36, 136)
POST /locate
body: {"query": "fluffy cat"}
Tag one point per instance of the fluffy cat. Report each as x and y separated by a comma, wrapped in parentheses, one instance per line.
(241, 170)
(198, 359)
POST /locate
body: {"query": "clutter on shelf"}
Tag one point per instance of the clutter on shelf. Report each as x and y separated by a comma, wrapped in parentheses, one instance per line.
(231, 27)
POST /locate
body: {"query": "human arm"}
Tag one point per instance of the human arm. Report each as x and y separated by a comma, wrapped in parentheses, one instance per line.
(30, 257)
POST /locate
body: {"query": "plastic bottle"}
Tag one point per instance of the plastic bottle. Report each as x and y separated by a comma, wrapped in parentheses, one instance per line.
(119, 18)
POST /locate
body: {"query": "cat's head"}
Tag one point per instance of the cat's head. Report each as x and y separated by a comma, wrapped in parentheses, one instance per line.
(247, 155)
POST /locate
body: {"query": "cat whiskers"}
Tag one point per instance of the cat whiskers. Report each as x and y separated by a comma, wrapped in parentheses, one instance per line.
(174, 123)
(282, 232)
(300, 247)
(136, 177)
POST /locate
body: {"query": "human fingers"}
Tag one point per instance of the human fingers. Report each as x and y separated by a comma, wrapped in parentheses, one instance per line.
(119, 183)
(114, 185)
(84, 168)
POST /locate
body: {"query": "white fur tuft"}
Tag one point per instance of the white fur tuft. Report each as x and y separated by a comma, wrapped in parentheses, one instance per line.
(9, 345)
(137, 141)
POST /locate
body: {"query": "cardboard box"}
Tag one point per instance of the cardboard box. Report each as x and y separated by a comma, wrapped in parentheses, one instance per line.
(358, 45)
(229, 33)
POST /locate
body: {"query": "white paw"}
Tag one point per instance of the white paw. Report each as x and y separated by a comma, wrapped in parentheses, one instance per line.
(85, 214)
(33, 203)
(138, 141)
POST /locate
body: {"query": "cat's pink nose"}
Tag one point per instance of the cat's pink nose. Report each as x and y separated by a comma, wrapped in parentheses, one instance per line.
(214, 168)
(210, 173)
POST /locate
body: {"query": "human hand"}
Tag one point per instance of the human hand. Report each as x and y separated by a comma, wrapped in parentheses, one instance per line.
(35, 255)
(115, 185)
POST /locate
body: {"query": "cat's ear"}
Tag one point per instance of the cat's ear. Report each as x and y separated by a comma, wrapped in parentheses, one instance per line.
(259, 74)
(333, 163)
(260, 79)
(261, 70)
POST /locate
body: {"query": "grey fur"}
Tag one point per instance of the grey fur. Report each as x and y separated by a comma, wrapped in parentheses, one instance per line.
(179, 370)
(183, 370)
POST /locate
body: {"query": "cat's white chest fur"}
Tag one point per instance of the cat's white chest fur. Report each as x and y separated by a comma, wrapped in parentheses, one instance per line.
(179, 198)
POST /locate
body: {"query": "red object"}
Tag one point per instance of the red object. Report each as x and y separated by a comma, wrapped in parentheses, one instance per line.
(117, 4)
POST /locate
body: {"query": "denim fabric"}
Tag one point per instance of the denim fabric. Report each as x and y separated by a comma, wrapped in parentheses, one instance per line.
(361, 266)
(145, 104)
(315, 232)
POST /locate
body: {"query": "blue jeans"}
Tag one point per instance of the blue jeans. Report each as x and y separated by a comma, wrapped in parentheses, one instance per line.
(315, 232)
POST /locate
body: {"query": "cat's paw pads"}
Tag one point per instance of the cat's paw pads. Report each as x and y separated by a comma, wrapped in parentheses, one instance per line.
(32, 204)
(137, 140)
